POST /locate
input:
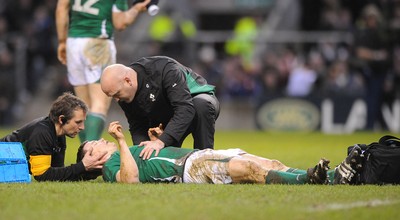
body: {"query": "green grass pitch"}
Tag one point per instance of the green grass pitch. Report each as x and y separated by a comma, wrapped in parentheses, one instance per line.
(99, 200)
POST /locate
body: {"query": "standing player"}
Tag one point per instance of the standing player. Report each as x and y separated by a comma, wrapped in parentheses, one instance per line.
(86, 46)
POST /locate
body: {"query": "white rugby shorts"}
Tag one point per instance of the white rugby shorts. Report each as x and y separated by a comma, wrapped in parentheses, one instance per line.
(210, 166)
(87, 57)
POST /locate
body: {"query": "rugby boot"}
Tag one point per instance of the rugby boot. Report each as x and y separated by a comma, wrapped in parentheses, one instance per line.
(318, 174)
(346, 171)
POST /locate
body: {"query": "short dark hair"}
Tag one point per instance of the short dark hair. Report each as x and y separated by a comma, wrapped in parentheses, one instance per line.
(65, 105)
(87, 175)
(81, 153)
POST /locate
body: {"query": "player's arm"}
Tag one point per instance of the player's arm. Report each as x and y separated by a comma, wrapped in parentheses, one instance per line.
(47, 165)
(122, 19)
(42, 170)
(129, 172)
(62, 23)
(69, 173)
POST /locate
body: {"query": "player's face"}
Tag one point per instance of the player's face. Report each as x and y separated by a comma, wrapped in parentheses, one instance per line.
(101, 146)
(76, 124)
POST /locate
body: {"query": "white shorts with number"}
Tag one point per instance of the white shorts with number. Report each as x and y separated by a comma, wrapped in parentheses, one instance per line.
(210, 166)
(87, 57)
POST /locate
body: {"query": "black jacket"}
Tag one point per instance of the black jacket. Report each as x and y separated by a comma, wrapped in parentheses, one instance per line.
(39, 138)
(164, 95)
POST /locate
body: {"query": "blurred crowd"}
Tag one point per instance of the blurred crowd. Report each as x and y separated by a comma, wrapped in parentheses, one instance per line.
(27, 49)
(366, 66)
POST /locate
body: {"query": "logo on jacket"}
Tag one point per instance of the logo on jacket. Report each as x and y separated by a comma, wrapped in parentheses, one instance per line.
(152, 97)
(57, 149)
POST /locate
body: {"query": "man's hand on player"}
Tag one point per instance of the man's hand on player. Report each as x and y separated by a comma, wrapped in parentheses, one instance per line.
(150, 147)
(91, 161)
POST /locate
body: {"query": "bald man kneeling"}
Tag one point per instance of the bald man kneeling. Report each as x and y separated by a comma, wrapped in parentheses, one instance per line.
(159, 91)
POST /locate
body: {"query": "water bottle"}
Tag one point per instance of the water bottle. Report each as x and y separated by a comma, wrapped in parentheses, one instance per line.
(152, 7)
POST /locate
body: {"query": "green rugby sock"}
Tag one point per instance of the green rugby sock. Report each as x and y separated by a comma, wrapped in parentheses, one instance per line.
(94, 126)
(280, 177)
(331, 176)
(296, 171)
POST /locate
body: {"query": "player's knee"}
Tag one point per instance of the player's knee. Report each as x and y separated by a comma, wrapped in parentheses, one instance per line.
(245, 171)
(276, 163)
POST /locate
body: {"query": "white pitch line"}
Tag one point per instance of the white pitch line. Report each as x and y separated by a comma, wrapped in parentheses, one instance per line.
(343, 206)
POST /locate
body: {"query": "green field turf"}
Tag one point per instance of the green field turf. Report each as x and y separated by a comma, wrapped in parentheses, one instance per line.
(99, 200)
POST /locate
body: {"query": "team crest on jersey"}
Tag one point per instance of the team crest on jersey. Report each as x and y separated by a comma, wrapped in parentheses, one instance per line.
(152, 97)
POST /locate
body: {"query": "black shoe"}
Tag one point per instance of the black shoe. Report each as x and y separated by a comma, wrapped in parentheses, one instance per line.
(318, 174)
(349, 167)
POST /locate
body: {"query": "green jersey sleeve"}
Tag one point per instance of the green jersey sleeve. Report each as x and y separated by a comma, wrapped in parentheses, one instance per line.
(121, 5)
(168, 166)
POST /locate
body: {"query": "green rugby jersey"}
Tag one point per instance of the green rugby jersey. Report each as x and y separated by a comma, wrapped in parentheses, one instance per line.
(166, 167)
(93, 18)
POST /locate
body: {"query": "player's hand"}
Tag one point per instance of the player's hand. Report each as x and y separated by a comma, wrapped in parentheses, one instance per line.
(115, 130)
(62, 53)
(154, 133)
(91, 161)
(150, 147)
(141, 6)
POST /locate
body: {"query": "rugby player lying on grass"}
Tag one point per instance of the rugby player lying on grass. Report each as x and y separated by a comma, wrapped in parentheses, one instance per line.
(180, 165)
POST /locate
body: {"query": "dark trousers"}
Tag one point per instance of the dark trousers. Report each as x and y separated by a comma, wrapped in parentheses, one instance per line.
(374, 99)
(203, 126)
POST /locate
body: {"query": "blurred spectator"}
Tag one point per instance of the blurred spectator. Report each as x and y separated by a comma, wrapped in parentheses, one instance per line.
(371, 48)
(236, 76)
(210, 67)
(287, 60)
(238, 81)
(33, 20)
(270, 84)
(304, 76)
(333, 51)
(334, 16)
(39, 32)
(395, 17)
(392, 81)
(26, 50)
(340, 81)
